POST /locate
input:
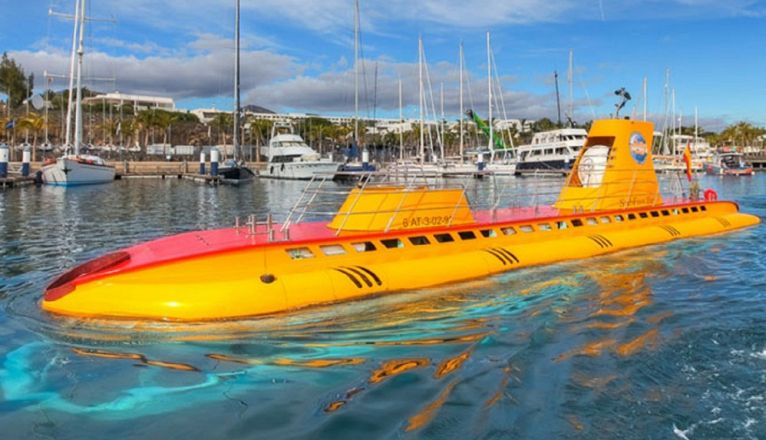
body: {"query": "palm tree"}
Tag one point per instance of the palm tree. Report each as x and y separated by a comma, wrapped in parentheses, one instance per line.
(35, 124)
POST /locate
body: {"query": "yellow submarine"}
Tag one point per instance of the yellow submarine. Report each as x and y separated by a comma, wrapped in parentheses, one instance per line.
(390, 237)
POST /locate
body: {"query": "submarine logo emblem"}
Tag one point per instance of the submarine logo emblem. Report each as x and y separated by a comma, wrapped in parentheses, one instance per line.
(638, 148)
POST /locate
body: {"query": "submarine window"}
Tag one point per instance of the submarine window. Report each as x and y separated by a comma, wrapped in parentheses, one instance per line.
(508, 231)
(392, 243)
(685, 210)
(655, 214)
(444, 238)
(676, 211)
(605, 219)
(363, 246)
(526, 228)
(466, 235)
(694, 209)
(420, 240)
(561, 225)
(488, 233)
(592, 221)
(704, 208)
(300, 253)
(332, 249)
(631, 216)
(665, 212)
(619, 218)
(544, 227)
(577, 222)
(643, 215)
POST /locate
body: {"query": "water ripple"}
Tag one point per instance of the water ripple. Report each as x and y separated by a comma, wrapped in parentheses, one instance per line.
(655, 342)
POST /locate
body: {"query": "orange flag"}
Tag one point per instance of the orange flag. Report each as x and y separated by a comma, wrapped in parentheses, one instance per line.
(688, 161)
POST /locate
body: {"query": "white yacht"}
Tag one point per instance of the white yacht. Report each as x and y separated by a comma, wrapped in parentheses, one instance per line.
(74, 168)
(551, 152)
(290, 158)
(77, 169)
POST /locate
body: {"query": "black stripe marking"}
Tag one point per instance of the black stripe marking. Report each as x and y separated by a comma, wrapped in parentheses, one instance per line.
(603, 240)
(372, 274)
(498, 256)
(361, 275)
(350, 277)
(508, 254)
(498, 252)
(671, 230)
(597, 241)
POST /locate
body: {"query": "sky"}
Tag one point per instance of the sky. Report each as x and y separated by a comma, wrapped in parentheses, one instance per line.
(297, 55)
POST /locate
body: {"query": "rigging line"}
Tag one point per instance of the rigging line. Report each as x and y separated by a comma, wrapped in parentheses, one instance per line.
(364, 79)
(587, 96)
(431, 95)
(507, 130)
(470, 100)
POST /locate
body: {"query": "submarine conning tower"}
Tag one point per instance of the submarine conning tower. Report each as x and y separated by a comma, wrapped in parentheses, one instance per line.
(614, 169)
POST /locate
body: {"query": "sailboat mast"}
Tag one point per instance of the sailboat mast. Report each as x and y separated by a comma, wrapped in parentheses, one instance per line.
(356, 73)
(646, 97)
(558, 98)
(489, 89)
(45, 103)
(78, 104)
(422, 96)
(696, 128)
(401, 123)
(72, 60)
(673, 124)
(461, 102)
(237, 105)
(441, 121)
(570, 79)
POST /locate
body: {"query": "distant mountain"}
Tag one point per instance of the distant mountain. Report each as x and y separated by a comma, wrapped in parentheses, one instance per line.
(256, 109)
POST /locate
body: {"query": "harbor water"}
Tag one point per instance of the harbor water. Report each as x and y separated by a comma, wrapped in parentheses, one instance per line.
(659, 342)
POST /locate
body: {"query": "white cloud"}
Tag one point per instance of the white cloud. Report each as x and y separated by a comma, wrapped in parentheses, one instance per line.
(201, 74)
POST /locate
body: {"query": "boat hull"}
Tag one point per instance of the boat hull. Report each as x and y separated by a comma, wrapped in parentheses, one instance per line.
(236, 175)
(299, 170)
(721, 171)
(548, 167)
(228, 274)
(72, 172)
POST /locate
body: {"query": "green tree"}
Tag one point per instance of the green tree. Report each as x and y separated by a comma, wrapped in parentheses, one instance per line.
(13, 81)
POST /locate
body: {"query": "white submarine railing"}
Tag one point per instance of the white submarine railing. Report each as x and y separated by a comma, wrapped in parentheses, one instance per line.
(322, 198)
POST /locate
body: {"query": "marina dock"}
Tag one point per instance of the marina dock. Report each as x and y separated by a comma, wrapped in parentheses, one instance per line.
(131, 170)
(15, 181)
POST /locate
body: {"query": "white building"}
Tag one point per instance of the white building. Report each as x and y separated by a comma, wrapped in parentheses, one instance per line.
(139, 102)
(514, 124)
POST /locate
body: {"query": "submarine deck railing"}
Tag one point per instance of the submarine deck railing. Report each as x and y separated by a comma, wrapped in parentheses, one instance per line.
(320, 200)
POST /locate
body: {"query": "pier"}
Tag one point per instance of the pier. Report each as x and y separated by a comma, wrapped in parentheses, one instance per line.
(758, 160)
(129, 170)
(15, 181)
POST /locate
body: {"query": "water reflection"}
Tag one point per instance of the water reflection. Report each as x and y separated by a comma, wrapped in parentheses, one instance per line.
(571, 350)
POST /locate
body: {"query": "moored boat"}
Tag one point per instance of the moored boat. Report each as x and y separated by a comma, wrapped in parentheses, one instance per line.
(77, 169)
(550, 152)
(391, 237)
(289, 157)
(73, 168)
(729, 164)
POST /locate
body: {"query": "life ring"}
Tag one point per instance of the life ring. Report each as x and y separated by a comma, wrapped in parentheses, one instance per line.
(711, 195)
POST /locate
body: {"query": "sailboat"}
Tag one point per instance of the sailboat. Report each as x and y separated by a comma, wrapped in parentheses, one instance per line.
(74, 168)
(234, 171)
(351, 169)
(501, 161)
